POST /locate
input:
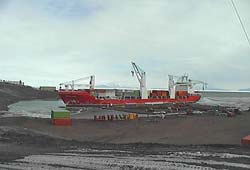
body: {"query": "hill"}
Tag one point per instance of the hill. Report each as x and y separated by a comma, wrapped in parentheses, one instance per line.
(11, 93)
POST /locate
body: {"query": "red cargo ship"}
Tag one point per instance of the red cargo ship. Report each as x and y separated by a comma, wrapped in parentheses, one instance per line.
(86, 97)
(179, 91)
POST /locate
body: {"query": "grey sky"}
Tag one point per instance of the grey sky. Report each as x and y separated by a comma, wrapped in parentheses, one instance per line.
(45, 42)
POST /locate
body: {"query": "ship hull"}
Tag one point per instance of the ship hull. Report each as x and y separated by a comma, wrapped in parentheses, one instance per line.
(85, 98)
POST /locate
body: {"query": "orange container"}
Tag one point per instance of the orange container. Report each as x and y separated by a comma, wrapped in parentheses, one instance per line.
(182, 93)
(246, 140)
(153, 94)
(62, 122)
(164, 93)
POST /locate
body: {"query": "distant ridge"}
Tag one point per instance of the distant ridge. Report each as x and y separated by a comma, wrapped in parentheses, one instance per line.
(218, 89)
(248, 89)
(215, 89)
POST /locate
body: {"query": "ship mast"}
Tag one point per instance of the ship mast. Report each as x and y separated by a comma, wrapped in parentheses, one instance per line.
(171, 86)
(141, 76)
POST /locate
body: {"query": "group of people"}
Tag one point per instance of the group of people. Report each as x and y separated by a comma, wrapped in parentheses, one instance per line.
(130, 116)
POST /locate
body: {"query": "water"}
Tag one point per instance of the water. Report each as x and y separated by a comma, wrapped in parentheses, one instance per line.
(42, 108)
(242, 103)
(232, 99)
(36, 108)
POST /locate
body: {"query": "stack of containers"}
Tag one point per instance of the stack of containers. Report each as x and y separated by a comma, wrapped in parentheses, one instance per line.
(246, 140)
(164, 93)
(154, 93)
(61, 118)
(132, 116)
(183, 93)
(136, 94)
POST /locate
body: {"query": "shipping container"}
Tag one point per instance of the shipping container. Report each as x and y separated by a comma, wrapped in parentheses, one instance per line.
(159, 93)
(118, 92)
(47, 88)
(165, 93)
(137, 93)
(132, 116)
(246, 140)
(129, 91)
(62, 122)
(182, 93)
(60, 114)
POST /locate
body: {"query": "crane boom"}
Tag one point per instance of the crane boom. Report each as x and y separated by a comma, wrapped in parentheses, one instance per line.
(73, 83)
(141, 76)
(195, 82)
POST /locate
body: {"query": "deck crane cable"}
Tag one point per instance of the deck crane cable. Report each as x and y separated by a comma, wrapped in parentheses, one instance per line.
(242, 25)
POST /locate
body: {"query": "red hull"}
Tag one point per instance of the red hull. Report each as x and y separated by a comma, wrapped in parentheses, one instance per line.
(85, 98)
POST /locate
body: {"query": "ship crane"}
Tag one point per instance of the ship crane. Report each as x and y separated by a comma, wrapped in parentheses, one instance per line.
(141, 76)
(175, 81)
(195, 82)
(180, 79)
(72, 84)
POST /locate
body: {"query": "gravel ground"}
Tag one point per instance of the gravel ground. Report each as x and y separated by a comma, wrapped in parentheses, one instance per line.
(187, 142)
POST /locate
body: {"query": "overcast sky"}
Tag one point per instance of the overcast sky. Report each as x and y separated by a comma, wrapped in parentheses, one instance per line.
(45, 42)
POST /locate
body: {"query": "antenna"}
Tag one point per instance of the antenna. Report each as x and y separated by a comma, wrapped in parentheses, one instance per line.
(241, 23)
